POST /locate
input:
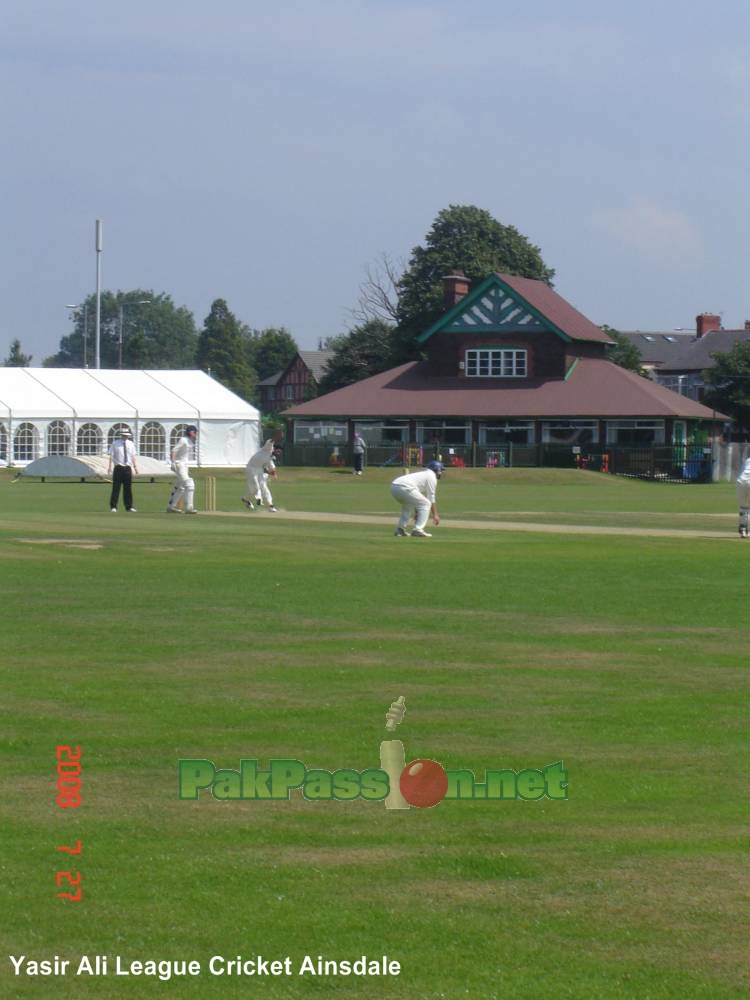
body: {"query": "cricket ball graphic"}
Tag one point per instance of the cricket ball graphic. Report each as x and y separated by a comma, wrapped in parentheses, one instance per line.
(423, 783)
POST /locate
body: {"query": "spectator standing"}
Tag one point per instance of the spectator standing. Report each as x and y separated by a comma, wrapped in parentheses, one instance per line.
(122, 465)
(359, 447)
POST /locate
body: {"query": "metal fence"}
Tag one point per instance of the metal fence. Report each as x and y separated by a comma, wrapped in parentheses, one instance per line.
(665, 463)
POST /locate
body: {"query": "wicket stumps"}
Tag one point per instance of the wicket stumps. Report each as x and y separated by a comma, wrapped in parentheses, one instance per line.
(209, 493)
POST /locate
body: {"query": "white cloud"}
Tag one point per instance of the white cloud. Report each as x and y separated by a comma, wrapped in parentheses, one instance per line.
(656, 231)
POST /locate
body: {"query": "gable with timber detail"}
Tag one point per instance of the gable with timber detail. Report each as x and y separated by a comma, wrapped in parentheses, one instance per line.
(494, 311)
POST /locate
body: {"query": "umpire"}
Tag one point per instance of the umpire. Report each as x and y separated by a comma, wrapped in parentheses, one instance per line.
(122, 457)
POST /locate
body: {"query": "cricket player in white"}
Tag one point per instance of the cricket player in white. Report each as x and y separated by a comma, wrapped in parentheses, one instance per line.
(743, 497)
(184, 485)
(417, 492)
(257, 471)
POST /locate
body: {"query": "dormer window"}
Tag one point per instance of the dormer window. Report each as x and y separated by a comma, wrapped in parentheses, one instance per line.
(495, 362)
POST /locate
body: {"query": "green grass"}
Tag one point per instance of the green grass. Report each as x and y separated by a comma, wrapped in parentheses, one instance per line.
(149, 638)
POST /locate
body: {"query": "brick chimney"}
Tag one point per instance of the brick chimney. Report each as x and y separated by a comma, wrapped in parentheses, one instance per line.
(705, 323)
(455, 287)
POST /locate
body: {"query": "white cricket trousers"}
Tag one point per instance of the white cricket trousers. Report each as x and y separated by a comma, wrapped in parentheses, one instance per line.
(257, 486)
(183, 487)
(411, 500)
(743, 502)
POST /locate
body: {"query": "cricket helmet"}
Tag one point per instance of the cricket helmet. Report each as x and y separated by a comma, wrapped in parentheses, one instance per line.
(191, 429)
(436, 467)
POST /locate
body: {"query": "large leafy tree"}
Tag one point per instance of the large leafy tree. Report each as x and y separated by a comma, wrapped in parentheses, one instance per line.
(269, 351)
(16, 357)
(220, 351)
(727, 384)
(138, 329)
(158, 335)
(358, 354)
(463, 238)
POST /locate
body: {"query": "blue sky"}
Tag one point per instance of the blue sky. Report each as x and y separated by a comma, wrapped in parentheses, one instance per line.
(268, 153)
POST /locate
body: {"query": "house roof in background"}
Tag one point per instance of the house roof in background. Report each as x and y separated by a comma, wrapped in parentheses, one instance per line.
(314, 361)
(317, 361)
(698, 353)
(659, 346)
(594, 387)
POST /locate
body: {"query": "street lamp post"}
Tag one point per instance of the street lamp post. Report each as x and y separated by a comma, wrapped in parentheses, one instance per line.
(138, 302)
(85, 309)
(99, 249)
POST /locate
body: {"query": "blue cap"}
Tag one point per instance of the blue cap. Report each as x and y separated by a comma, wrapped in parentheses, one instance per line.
(437, 467)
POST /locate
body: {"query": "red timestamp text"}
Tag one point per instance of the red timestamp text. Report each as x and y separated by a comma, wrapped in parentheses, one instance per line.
(69, 797)
(68, 777)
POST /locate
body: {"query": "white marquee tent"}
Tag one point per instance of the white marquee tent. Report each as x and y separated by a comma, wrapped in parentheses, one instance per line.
(76, 412)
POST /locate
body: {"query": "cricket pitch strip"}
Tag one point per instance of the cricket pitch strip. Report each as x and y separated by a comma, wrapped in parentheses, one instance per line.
(447, 525)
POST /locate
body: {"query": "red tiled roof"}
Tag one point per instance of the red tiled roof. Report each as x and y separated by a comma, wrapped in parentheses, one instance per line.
(594, 388)
(556, 309)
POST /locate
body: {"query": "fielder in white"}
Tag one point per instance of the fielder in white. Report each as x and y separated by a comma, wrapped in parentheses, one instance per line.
(257, 472)
(184, 486)
(417, 492)
(743, 496)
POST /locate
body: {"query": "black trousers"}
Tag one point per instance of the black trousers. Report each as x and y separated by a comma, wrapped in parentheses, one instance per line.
(122, 476)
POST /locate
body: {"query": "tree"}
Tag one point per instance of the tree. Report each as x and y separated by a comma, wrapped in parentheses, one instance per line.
(358, 354)
(158, 334)
(155, 333)
(220, 351)
(268, 351)
(378, 293)
(16, 358)
(623, 353)
(464, 238)
(727, 384)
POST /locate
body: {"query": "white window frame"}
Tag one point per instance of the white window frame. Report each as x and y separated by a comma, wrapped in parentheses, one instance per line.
(153, 441)
(58, 438)
(496, 362)
(89, 439)
(26, 439)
